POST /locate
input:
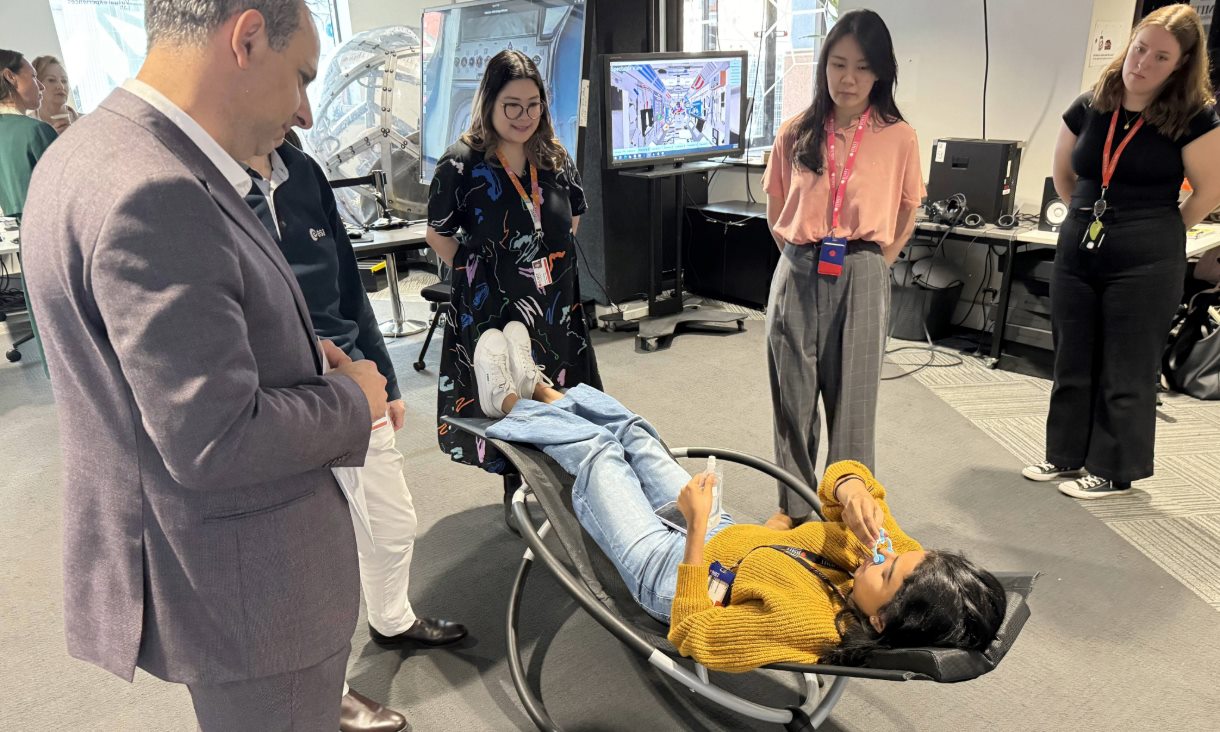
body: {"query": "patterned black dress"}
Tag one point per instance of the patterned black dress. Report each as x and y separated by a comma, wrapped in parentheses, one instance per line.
(493, 282)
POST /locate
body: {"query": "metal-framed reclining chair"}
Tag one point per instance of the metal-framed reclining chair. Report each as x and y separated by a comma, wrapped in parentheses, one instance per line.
(591, 579)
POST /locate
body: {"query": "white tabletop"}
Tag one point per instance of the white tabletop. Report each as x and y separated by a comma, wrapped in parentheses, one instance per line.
(1198, 240)
(8, 240)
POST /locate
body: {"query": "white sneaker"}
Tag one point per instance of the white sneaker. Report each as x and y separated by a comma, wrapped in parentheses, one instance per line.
(492, 373)
(1090, 487)
(1050, 471)
(526, 374)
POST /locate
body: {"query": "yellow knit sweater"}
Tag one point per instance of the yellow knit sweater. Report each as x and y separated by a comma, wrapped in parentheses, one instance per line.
(779, 611)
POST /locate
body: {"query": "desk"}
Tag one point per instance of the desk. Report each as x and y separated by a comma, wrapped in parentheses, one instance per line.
(729, 253)
(387, 243)
(1198, 240)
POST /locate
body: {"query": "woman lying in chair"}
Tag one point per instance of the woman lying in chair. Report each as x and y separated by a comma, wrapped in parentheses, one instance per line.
(830, 603)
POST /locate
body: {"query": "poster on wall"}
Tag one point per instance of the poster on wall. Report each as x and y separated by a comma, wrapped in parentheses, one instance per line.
(1107, 40)
(1206, 10)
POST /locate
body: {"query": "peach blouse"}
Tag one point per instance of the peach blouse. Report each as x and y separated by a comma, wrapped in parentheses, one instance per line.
(887, 178)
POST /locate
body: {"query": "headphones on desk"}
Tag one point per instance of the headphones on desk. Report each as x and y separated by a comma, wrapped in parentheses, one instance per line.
(950, 212)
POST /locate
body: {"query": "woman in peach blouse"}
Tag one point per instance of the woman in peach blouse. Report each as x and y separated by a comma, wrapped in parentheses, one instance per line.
(843, 184)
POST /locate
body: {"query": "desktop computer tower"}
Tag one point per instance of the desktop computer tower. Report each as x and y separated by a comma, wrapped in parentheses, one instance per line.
(984, 171)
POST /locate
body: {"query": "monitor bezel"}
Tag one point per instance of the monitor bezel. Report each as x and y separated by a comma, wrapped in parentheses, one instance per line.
(678, 158)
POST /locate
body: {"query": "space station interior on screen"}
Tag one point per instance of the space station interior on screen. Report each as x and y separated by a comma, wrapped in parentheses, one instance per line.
(660, 109)
(459, 40)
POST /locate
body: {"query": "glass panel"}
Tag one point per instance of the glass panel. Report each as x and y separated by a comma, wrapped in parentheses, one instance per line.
(783, 39)
(104, 42)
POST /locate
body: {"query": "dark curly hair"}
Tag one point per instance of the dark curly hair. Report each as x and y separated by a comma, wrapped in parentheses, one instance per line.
(946, 602)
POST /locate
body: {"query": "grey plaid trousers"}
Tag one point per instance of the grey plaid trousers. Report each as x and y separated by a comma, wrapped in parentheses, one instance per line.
(825, 338)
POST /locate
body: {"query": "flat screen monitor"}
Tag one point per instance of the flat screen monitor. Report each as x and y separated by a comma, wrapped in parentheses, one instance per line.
(674, 107)
(458, 41)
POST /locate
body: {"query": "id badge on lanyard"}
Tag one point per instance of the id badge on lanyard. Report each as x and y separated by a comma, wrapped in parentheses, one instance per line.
(834, 248)
(533, 201)
(1095, 233)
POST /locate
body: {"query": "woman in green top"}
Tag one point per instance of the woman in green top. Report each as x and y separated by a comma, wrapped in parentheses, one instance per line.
(22, 139)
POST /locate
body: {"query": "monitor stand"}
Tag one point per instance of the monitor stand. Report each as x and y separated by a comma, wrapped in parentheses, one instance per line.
(666, 314)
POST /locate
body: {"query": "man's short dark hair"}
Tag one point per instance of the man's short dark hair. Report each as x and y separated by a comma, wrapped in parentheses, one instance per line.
(191, 22)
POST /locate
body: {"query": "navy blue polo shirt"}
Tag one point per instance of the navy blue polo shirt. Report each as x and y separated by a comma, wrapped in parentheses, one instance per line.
(315, 244)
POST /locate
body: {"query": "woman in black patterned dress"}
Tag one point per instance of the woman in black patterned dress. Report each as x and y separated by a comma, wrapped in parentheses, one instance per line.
(512, 259)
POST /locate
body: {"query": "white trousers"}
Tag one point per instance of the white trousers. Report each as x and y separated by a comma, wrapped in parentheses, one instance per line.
(384, 518)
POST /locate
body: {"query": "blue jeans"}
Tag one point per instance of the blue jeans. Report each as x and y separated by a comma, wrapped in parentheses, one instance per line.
(622, 474)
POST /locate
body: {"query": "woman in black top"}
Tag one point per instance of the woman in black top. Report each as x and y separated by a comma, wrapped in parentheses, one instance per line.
(508, 264)
(1120, 263)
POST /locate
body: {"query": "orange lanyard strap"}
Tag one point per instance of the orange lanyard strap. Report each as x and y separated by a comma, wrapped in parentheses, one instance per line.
(1110, 163)
(534, 202)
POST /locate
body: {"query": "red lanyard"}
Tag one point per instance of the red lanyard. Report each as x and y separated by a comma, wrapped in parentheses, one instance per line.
(1110, 164)
(534, 202)
(848, 165)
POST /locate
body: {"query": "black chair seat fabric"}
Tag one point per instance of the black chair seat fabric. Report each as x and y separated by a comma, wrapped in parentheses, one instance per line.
(440, 292)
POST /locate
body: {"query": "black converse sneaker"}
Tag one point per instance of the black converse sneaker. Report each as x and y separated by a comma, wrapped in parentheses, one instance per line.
(1050, 471)
(1089, 487)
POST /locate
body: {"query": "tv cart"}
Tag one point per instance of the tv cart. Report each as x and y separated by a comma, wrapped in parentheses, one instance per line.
(666, 314)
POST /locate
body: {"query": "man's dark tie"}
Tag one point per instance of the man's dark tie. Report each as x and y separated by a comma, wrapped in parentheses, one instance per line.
(258, 202)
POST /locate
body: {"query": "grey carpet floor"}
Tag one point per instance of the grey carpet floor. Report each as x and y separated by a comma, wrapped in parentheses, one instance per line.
(1116, 641)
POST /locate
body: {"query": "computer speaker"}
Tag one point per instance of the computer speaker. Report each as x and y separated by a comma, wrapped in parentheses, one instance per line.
(1054, 209)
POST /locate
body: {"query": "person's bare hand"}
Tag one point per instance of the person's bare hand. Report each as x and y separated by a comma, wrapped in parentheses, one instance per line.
(335, 357)
(396, 411)
(861, 512)
(370, 381)
(695, 500)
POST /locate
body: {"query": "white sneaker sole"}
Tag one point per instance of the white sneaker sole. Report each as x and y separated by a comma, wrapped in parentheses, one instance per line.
(1092, 495)
(1047, 477)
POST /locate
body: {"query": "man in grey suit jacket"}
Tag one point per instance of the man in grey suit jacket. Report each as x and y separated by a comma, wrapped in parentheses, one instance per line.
(205, 538)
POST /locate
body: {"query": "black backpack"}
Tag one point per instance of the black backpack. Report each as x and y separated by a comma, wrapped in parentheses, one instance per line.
(1192, 359)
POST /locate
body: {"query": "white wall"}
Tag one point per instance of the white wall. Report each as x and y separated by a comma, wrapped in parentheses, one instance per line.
(28, 28)
(1038, 65)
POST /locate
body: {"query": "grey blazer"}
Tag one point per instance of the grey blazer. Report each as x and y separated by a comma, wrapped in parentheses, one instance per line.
(205, 538)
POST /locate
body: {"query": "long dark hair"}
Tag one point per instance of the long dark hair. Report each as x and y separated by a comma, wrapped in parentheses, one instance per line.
(1186, 92)
(12, 61)
(946, 602)
(874, 38)
(543, 149)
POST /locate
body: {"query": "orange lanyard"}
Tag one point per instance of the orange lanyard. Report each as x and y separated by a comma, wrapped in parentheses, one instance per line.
(533, 202)
(1110, 164)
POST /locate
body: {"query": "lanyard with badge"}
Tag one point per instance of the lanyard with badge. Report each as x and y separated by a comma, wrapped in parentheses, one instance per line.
(1095, 234)
(834, 248)
(721, 578)
(533, 203)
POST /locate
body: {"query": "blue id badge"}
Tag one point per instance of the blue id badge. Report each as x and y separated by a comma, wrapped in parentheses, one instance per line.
(719, 582)
(830, 257)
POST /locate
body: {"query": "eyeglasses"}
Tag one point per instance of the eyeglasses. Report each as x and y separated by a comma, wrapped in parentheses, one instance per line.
(513, 110)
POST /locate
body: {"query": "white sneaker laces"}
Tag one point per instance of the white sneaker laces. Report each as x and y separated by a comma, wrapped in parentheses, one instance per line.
(1090, 481)
(502, 377)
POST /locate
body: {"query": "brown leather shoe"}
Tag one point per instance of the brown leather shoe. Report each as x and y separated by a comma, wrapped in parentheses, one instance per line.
(359, 713)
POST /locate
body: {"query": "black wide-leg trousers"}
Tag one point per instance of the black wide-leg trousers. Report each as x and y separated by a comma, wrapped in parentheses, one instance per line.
(1110, 311)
